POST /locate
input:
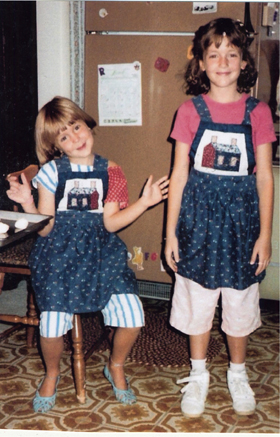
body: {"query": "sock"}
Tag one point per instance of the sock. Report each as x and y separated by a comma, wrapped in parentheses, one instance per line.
(198, 365)
(237, 367)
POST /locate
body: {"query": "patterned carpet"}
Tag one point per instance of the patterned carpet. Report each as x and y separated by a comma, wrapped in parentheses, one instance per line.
(158, 406)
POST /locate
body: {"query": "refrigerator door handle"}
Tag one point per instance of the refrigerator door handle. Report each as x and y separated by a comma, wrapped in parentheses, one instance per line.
(137, 33)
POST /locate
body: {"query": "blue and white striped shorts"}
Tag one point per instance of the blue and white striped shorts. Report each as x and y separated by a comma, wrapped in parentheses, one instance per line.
(122, 310)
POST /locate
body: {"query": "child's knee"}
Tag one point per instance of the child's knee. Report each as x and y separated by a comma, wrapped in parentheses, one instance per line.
(134, 331)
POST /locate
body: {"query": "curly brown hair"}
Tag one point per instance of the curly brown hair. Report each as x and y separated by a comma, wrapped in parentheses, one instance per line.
(52, 118)
(196, 80)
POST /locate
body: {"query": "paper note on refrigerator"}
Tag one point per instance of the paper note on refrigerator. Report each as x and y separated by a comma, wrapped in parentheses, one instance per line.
(120, 94)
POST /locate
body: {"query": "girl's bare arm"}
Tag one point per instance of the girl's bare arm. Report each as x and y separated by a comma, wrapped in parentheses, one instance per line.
(178, 181)
(153, 193)
(265, 187)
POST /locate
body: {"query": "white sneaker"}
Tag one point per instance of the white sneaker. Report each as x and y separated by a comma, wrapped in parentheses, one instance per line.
(194, 393)
(242, 395)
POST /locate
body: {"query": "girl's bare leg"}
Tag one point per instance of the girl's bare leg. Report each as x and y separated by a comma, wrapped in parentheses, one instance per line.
(237, 348)
(198, 345)
(123, 341)
(52, 349)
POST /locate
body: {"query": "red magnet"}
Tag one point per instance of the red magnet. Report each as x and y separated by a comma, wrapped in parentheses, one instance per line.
(162, 64)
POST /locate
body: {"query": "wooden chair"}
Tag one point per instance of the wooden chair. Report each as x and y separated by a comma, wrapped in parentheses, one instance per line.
(15, 260)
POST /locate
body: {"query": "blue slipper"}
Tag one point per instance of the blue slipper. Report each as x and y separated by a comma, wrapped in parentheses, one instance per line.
(43, 404)
(126, 397)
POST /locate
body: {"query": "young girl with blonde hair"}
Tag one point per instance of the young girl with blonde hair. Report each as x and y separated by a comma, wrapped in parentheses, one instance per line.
(78, 263)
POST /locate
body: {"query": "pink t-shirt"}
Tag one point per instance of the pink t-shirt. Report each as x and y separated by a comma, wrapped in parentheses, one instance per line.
(187, 120)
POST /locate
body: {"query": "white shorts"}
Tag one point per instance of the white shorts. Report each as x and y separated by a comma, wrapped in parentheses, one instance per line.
(122, 310)
(193, 308)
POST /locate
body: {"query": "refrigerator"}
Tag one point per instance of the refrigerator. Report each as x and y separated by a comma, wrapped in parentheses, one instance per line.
(156, 37)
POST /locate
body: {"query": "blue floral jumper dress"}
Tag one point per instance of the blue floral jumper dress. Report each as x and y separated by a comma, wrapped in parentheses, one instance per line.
(219, 223)
(79, 264)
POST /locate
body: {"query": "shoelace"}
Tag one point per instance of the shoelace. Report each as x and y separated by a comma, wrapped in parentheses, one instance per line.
(193, 389)
(240, 386)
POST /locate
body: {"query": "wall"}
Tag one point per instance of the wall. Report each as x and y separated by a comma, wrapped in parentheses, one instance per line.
(53, 50)
(269, 288)
(266, 91)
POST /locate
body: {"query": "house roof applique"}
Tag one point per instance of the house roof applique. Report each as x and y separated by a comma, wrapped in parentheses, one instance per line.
(221, 156)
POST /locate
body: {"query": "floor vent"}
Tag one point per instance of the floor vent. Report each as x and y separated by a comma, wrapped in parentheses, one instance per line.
(154, 290)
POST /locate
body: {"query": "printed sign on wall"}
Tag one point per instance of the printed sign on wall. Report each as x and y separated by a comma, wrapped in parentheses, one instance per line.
(204, 7)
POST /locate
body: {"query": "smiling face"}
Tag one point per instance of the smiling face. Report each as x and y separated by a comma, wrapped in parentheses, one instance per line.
(76, 141)
(222, 65)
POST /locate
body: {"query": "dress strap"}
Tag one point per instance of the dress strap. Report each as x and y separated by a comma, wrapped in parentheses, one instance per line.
(63, 164)
(202, 108)
(100, 163)
(251, 103)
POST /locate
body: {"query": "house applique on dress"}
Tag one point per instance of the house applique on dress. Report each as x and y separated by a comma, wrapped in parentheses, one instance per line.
(83, 198)
(221, 156)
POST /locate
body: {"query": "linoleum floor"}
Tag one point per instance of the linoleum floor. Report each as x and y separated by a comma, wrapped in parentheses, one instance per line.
(158, 406)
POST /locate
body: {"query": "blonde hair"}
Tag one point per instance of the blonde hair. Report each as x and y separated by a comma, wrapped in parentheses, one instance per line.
(52, 118)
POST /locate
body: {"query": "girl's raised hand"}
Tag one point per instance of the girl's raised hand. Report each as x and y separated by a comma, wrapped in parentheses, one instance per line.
(19, 193)
(154, 193)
